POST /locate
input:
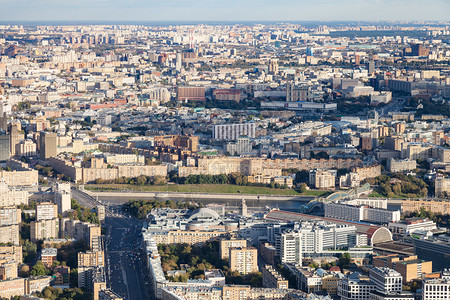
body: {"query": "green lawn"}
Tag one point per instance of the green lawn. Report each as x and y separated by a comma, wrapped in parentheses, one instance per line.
(203, 188)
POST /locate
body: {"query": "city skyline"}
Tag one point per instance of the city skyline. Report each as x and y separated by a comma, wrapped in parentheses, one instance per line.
(205, 10)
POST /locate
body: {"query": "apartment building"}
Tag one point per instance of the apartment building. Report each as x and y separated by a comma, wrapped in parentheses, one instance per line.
(48, 256)
(46, 211)
(226, 245)
(273, 279)
(243, 260)
(10, 216)
(232, 132)
(322, 179)
(433, 205)
(44, 229)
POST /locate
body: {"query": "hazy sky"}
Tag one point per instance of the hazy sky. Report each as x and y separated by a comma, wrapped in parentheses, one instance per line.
(224, 10)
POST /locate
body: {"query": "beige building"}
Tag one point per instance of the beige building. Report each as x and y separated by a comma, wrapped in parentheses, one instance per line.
(191, 237)
(273, 279)
(44, 229)
(26, 148)
(435, 206)
(11, 253)
(91, 259)
(410, 267)
(12, 287)
(322, 179)
(226, 245)
(442, 187)
(366, 172)
(37, 284)
(10, 216)
(244, 260)
(9, 234)
(10, 197)
(108, 295)
(21, 175)
(401, 165)
(8, 270)
(100, 170)
(46, 211)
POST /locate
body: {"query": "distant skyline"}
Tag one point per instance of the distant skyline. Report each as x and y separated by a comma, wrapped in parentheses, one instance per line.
(230, 10)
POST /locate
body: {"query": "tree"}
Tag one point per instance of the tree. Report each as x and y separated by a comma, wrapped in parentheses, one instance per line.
(303, 188)
(39, 269)
(344, 260)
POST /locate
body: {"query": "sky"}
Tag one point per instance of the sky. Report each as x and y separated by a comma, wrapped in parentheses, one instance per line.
(224, 10)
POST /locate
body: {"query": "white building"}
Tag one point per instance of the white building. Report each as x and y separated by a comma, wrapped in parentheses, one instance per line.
(435, 288)
(343, 211)
(386, 279)
(233, 131)
(63, 197)
(355, 287)
(316, 239)
(409, 226)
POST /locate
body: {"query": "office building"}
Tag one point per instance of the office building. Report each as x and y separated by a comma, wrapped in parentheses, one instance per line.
(386, 279)
(316, 239)
(4, 147)
(355, 287)
(409, 267)
(14, 139)
(435, 288)
(435, 250)
(194, 93)
(48, 142)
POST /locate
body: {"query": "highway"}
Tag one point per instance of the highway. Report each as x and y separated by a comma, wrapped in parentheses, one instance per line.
(125, 262)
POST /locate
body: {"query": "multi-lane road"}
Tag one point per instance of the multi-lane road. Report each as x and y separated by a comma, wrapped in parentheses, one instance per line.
(125, 261)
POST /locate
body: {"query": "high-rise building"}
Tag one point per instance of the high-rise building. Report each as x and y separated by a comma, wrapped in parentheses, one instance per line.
(46, 211)
(44, 229)
(10, 216)
(4, 147)
(226, 245)
(14, 138)
(178, 62)
(48, 142)
(101, 213)
(273, 66)
(244, 212)
(26, 148)
(244, 260)
(63, 197)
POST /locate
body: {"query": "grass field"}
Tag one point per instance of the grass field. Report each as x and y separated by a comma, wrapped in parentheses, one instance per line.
(203, 188)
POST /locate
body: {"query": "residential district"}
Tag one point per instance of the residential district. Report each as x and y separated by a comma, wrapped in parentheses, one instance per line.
(275, 161)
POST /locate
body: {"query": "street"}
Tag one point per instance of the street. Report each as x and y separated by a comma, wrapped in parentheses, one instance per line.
(125, 263)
